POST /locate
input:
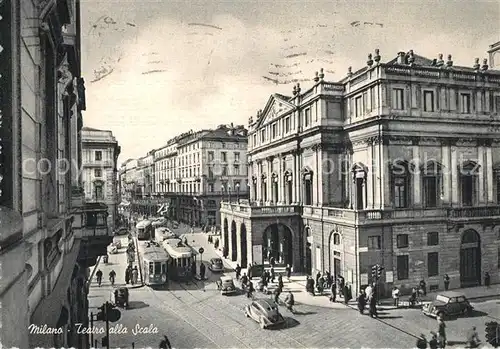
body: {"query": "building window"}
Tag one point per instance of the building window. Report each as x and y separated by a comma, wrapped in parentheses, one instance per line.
(365, 102)
(400, 180)
(275, 130)
(98, 193)
(432, 238)
(308, 189)
(431, 185)
(336, 239)
(97, 172)
(287, 125)
(374, 242)
(358, 107)
(372, 98)
(402, 267)
(236, 156)
(223, 156)
(98, 155)
(307, 117)
(465, 103)
(254, 140)
(210, 187)
(236, 170)
(318, 258)
(402, 240)
(398, 99)
(433, 264)
(262, 136)
(210, 156)
(428, 100)
(468, 189)
(210, 173)
(224, 170)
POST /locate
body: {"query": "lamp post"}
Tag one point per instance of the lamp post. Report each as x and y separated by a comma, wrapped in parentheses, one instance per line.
(238, 192)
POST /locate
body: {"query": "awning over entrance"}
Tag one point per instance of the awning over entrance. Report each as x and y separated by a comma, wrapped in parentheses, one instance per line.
(50, 311)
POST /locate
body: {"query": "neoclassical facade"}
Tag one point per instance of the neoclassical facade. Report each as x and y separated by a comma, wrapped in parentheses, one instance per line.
(397, 164)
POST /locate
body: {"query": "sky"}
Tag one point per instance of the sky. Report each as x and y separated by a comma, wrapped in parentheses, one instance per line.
(157, 68)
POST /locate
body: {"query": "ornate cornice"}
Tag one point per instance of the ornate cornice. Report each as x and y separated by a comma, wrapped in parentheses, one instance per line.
(448, 141)
(317, 147)
(484, 142)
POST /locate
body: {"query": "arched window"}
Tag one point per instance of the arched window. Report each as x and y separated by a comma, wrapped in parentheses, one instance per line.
(400, 176)
(431, 183)
(288, 187)
(263, 188)
(308, 186)
(359, 172)
(468, 182)
(275, 187)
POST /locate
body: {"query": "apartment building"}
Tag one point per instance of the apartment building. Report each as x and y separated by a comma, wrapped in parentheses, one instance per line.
(45, 247)
(397, 165)
(100, 151)
(192, 173)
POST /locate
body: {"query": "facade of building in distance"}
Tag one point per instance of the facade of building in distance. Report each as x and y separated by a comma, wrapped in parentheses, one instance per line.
(192, 173)
(396, 165)
(100, 152)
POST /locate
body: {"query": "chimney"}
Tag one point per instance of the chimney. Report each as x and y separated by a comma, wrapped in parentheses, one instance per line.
(376, 58)
(476, 65)
(440, 61)
(369, 62)
(401, 58)
(484, 67)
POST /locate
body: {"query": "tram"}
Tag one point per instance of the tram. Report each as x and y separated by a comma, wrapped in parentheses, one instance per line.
(163, 233)
(181, 256)
(153, 261)
(145, 230)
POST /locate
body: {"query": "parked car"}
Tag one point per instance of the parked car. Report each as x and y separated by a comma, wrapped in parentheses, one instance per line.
(216, 265)
(226, 285)
(448, 303)
(265, 312)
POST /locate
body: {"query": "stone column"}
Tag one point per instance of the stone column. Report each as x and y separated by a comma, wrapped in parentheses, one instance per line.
(489, 174)
(258, 182)
(445, 189)
(370, 176)
(480, 155)
(385, 179)
(377, 202)
(281, 181)
(454, 175)
(417, 180)
(269, 183)
(296, 178)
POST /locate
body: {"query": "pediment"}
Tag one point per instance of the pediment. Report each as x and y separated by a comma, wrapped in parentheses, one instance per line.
(275, 107)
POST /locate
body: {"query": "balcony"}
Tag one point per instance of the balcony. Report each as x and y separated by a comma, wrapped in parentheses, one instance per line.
(91, 226)
(365, 217)
(246, 210)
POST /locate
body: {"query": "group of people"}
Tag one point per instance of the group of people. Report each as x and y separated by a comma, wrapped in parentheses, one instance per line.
(131, 274)
(438, 339)
(368, 296)
(112, 277)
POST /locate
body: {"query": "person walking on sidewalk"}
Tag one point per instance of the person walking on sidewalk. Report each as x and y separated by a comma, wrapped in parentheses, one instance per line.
(487, 279)
(441, 332)
(446, 282)
(288, 270)
(135, 275)
(373, 306)
(238, 271)
(273, 275)
(395, 296)
(333, 289)
(362, 302)
(99, 277)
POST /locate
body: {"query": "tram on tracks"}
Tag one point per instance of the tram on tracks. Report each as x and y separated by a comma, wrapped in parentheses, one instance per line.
(162, 234)
(153, 261)
(181, 259)
(145, 230)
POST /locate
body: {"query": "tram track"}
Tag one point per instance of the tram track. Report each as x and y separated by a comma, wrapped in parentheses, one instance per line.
(224, 304)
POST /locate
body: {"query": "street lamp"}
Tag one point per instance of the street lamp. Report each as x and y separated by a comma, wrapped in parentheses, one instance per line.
(238, 192)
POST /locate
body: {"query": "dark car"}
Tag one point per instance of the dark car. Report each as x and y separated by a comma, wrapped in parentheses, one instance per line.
(226, 285)
(265, 312)
(216, 265)
(448, 303)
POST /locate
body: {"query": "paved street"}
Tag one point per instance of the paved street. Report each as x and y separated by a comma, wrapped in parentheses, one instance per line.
(196, 315)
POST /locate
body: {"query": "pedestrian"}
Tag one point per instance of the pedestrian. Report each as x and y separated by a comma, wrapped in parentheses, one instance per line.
(127, 274)
(373, 306)
(318, 276)
(441, 332)
(216, 244)
(135, 275)
(250, 289)
(277, 293)
(280, 281)
(361, 302)
(272, 274)
(446, 282)
(288, 270)
(347, 296)
(423, 287)
(238, 271)
(487, 279)
(368, 291)
(433, 343)
(395, 296)
(421, 342)
(165, 343)
(333, 289)
(272, 261)
(202, 271)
